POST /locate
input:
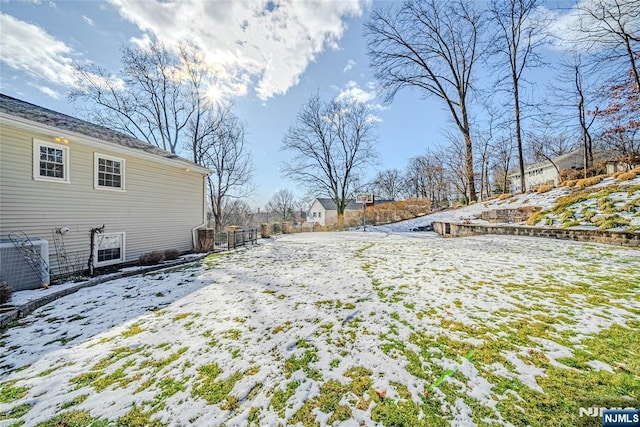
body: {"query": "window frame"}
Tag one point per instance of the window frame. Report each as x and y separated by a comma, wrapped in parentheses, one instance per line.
(96, 249)
(96, 172)
(37, 145)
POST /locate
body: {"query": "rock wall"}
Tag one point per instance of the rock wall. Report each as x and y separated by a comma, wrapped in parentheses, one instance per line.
(451, 229)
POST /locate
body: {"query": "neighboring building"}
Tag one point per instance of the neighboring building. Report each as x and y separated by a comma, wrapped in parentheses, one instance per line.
(61, 173)
(324, 211)
(544, 173)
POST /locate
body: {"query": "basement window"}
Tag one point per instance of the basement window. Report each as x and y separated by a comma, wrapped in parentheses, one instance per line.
(109, 249)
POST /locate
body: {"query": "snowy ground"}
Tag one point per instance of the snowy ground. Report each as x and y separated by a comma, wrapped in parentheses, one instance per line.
(338, 328)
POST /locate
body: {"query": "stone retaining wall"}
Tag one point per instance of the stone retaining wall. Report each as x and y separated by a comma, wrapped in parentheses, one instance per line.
(452, 229)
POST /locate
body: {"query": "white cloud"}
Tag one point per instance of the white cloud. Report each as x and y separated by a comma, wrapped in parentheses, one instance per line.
(568, 28)
(251, 42)
(88, 20)
(28, 48)
(353, 92)
(349, 66)
(48, 91)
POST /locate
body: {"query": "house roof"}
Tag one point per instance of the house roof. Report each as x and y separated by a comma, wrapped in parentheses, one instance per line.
(18, 108)
(330, 205)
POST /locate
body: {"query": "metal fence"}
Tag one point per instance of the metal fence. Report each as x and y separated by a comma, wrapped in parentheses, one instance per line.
(211, 241)
(237, 238)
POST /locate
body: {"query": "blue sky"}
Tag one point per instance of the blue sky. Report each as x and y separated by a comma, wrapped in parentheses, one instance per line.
(311, 46)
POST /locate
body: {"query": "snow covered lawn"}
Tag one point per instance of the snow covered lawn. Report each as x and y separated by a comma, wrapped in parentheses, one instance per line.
(338, 328)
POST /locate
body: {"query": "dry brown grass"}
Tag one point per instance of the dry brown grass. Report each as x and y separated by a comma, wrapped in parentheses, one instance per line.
(398, 211)
(626, 176)
(504, 196)
(588, 182)
(543, 189)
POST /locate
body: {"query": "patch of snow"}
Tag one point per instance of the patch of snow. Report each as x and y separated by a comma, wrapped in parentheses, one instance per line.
(600, 366)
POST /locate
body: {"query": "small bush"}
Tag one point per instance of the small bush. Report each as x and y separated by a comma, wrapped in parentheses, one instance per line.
(626, 176)
(5, 293)
(504, 196)
(612, 222)
(588, 182)
(537, 217)
(573, 223)
(151, 258)
(170, 254)
(570, 183)
(543, 189)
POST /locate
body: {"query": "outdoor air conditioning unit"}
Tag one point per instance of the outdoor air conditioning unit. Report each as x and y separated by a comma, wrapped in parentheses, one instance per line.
(19, 273)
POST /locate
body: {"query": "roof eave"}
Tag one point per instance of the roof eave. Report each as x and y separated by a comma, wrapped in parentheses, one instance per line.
(30, 125)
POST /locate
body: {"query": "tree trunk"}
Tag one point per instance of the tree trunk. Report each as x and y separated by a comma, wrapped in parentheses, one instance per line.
(469, 157)
(516, 100)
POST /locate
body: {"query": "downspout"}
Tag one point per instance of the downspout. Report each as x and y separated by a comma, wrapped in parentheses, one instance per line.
(194, 234)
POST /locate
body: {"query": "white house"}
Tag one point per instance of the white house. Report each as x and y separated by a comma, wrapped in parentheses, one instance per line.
(324, 211)
(59, 173)
(546, 172)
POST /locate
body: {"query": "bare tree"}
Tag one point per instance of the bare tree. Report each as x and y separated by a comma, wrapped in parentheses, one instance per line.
(283, 205)
(151, 101)
(453, 157)
(226, 154)
(426, 178)
(484, 141)
(502, 155)
(625, 145)
(160, 99)
(432, 46)
(415, 178)
(332, 144)
(237, 212)
(388, 184)
(573, 103)
(518, 39)
(610, 31)
(621, 121)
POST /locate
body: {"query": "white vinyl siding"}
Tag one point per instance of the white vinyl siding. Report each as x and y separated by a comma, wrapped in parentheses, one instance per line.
(109, 249)
(108, 173)
(50, 161)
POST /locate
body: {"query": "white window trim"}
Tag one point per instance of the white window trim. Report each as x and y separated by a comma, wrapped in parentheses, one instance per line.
(37, 143)
(97, 156)
(96, 263)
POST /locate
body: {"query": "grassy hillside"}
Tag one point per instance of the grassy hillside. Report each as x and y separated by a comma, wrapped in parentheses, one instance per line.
(606, 203)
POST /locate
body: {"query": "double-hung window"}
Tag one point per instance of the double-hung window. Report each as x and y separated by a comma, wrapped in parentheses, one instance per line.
(50, 161)
(108, 172)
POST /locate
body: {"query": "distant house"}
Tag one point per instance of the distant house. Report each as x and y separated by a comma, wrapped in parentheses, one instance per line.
(60, 174)
(546, 172)
(324, 211)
